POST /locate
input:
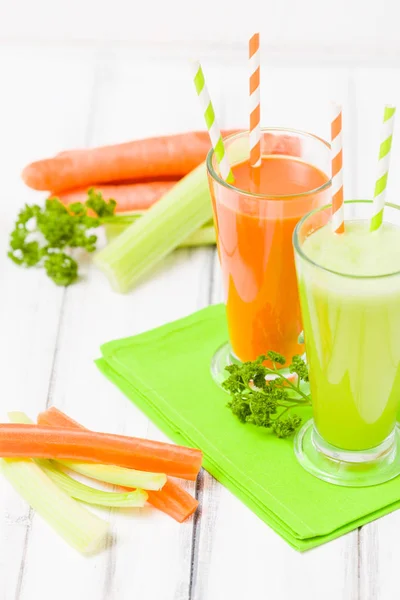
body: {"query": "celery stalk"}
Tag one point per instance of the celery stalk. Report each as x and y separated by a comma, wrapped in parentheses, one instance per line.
(181, 211)
(118, 475)
(77, 526)
(115, 227)
(205, 236)
(87, 494)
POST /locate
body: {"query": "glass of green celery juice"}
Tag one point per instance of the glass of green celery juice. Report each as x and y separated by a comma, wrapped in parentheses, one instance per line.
(350, 302)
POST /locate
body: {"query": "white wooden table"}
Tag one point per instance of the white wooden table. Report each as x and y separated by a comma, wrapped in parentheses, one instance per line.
(54, 97)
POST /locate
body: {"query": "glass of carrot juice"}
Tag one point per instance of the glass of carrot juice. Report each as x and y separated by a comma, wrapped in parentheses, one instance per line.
(254, 221)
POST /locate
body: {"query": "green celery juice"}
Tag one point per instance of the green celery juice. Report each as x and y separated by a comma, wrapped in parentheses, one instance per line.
(350, 301)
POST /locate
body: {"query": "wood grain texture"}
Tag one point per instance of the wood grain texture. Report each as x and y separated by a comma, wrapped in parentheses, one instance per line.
(238, 556)
(83, 96)
(29, 305)
(378, 565)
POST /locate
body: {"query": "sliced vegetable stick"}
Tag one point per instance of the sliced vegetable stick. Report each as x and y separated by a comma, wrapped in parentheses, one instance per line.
(56, 418)
(74, 523)
(129, 478)
(178, 214)
(171, 156)
(205, 236)
(35, 441)
(172, 499)
(79, 490)
(129, 196)
(85, 493)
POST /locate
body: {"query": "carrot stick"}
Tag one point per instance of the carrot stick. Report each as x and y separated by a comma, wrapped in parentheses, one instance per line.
(129, 196)
(174, 501)
(37, 441)
(170, 156)
(171, 499)
(52, 417)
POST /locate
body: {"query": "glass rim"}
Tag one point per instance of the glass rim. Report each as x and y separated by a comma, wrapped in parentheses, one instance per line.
(300, 252)
(212, 172)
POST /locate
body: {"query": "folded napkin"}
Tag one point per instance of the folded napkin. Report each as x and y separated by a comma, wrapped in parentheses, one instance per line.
(166, 372)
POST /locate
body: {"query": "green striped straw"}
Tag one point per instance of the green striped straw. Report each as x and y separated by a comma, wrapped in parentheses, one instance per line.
(211, 122)
(383, 167)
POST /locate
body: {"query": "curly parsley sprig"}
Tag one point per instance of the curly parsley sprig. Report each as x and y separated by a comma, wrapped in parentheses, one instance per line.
(267, 402)
(44, 236)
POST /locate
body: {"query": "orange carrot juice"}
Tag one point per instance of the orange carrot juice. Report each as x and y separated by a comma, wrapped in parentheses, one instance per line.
(254, 233)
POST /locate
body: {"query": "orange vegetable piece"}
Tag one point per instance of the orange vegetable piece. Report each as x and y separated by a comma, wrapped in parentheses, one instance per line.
(129, 196)
(172, 499)
(170, 156)
(38, 441)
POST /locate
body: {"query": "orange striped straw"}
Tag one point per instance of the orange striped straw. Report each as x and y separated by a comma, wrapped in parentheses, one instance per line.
(255, 129)
(337, 170)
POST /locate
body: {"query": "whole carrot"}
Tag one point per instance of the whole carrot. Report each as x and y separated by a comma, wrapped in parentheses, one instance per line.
(129, 196)
(36, 441)
(171, 156)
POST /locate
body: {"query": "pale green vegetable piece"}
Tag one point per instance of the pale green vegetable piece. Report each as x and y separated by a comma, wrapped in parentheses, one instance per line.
(205, 236)
(118, 475)
(182, 210)
(87, 494)
(80, 528)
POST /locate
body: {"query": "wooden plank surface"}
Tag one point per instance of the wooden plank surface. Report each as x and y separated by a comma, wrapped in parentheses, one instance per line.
(378, 539)
(231, 539)
(31, 123)
(74, 97)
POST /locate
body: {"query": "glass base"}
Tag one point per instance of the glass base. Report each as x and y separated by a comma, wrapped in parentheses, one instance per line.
(224, 357)
(361, 468)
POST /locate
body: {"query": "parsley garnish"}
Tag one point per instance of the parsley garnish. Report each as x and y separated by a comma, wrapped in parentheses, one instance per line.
(267, 402)
(44, 236)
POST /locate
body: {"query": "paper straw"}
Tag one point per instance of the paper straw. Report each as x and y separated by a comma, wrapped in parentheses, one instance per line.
(211, 122)
(383, 167)
(337, 170)
(254, 84)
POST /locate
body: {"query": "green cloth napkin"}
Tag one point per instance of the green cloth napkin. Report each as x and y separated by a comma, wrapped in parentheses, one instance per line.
(166, 372)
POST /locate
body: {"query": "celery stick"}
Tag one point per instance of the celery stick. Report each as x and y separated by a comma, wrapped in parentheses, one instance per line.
(116, 226)
(87, 494)
(75, 524)
(118, 475)
(165, 225)
(205, 236)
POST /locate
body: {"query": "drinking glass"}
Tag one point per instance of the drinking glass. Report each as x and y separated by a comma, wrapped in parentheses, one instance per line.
(254, 237)
(352, 335)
